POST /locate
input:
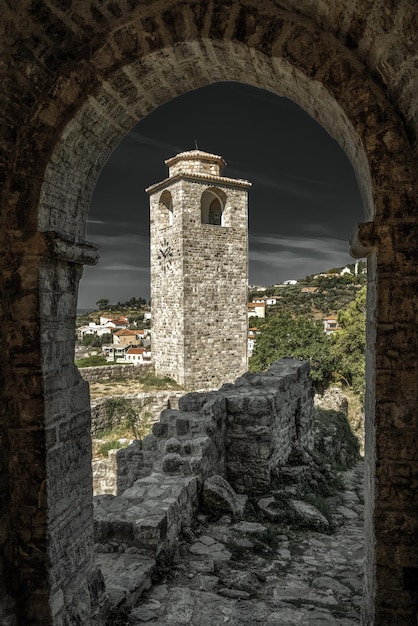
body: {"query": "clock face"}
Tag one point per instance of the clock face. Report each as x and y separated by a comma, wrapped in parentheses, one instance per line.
(165, 255)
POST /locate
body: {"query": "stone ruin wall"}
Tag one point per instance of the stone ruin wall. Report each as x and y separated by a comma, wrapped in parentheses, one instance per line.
(110, 372)
(105, 470)
(153, 403)
(232, 439)
(242, 431)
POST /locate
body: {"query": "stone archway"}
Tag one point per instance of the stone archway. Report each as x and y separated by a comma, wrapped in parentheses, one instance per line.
(138, 62)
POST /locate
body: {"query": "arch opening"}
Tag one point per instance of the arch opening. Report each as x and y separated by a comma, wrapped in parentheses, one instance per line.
(212, 208)
(69, 215)
(166, 209)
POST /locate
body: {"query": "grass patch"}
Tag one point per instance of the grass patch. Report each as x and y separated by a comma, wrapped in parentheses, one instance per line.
(130, 421)
(151, 381)
(92, 361)
(334, 439)
(111, 444)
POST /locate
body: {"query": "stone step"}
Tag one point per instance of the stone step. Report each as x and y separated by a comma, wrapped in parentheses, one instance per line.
(127, 576)
(148, 516)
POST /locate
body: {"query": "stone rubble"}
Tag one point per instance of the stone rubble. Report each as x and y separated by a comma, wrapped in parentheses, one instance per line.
(247, 573)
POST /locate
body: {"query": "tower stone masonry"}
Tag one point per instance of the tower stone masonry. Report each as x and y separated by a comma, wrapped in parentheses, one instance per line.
(199, 272)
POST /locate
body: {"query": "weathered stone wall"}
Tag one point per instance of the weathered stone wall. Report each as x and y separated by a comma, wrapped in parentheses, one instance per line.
(243, 431)
(110, 372)
(269, 418)
(103, 417)
(74, 80)
(199, 280)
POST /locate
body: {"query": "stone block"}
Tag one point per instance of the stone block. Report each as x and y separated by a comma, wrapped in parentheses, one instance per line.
(172, 445)
(172, 463)
(160, 430)
(182, 426)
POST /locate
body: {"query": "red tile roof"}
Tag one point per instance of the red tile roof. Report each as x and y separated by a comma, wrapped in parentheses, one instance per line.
(135, 351)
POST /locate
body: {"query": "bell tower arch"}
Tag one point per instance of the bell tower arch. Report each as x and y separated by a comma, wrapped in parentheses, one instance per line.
(199, 272)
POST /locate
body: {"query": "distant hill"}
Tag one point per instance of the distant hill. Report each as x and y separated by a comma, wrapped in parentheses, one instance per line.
(317, 295)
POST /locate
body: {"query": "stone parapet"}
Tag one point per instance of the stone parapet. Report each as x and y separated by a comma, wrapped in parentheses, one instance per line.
(153, 403)
(110, 372)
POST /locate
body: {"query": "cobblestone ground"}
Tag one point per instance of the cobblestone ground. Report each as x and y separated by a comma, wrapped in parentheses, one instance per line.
(248, 573)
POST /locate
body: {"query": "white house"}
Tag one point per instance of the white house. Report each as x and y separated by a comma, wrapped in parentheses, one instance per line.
(252, 332)
(138, 356)
(290, 282)
(92, 329)
(271, 300)
(256, 309)
(331, 324)
(114, 352)
(268, 300)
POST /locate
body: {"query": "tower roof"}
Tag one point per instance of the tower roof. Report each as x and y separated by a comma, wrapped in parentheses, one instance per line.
(197, 165)
(195, 155)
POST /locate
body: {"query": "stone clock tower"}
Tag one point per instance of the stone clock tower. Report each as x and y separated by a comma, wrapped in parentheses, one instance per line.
(199, 272)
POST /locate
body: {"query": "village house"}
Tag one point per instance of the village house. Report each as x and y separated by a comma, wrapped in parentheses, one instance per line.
(138, 356)
(252, 332)
(268, 300)
(256, 309)
(110, 322)
(92, 329)
(126, 337)
(114, 352)
(331, 324)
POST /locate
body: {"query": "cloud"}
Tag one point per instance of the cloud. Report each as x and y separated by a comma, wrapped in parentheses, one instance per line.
(123, 267)
(153, 142)
(274, 259)
(284, 183)
(261, 241)
(122, 241)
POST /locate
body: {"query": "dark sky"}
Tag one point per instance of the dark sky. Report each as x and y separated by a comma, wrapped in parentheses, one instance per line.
(303, 205)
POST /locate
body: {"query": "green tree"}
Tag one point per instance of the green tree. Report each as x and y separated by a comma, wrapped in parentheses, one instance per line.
(102, 303)
(299, 337)
(349, 345)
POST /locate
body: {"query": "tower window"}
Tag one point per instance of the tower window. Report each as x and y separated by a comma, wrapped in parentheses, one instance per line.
(215, 213)
(211, 208)
(165, 209)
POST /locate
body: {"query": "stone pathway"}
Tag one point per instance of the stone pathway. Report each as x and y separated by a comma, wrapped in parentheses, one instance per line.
(248, 574)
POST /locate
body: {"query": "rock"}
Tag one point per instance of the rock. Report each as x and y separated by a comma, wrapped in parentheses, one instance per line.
(207, 583)
(309, 514)
(326, 582)
(218, 498)
(269, 507)
(241, 580)
(249, 527)
(142, 615)
(172, 445)
(203, 567)
(201, 548)
(172, 463)
(234, 594)
(160, 430)
(208, 541)
(348, 513)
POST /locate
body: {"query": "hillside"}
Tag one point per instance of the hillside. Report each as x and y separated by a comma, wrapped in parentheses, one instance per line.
(318, 296)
